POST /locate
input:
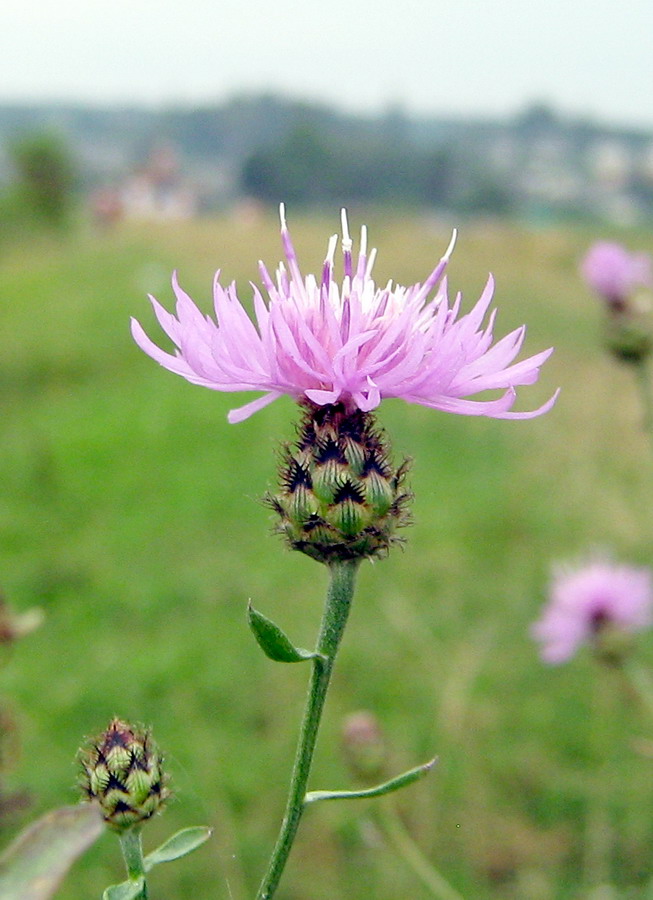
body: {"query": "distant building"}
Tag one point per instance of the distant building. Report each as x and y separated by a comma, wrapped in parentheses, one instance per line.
(159, 190)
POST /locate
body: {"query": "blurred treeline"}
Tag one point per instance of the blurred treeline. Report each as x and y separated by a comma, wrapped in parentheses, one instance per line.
(537, 164)
(42, 189)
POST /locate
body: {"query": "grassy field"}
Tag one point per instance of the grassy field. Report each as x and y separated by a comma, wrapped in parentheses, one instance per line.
(129, 511)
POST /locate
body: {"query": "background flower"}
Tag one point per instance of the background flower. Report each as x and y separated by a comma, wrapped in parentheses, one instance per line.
(614, 273)
(587, 598)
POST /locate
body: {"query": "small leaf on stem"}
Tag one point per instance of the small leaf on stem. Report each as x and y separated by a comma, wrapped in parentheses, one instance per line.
(180, 844)
(127, 890)
(273, 641)
(387, 787)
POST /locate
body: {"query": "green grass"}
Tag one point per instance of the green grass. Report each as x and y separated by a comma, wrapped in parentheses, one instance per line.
(129, 511)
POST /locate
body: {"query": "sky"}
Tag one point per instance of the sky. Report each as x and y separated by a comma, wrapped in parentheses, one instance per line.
(482, 58)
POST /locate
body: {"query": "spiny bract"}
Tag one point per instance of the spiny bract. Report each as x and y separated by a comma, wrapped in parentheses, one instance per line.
(341, 497)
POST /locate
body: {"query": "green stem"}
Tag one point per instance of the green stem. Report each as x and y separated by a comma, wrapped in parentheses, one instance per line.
(643, 376)
(599, 837)
(396, 832)
(132, 851)
(334, 619)
(640, 683)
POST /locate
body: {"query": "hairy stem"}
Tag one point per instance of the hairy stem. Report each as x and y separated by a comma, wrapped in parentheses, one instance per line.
(334, 619)
(639, 681)
(643, 375)
(132, 851)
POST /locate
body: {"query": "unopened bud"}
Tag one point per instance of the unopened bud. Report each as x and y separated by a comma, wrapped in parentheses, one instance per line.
(122, 771)
(14, 626)
(629, 336)
(364, 745)
(612, 644)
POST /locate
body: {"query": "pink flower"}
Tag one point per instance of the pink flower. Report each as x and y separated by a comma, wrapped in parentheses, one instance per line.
(614, 273)
(352, 342)
(586, 599)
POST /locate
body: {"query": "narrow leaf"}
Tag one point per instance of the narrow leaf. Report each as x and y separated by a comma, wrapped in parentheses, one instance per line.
(127, 890)
(387, 787)
(272, 640)
(178, 845)
(33, 866)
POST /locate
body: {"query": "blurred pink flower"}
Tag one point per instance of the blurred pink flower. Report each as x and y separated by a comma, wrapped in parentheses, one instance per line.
(614, 273)
(585, 599)
(354, 342)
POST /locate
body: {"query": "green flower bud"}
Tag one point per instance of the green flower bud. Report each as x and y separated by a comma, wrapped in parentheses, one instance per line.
(122, 771)
(341, 498)
(612, 645)
(364, 746)
(629, 333)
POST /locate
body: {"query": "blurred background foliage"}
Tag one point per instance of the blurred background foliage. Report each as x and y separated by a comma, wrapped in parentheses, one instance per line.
(538, 164)
(130, 512)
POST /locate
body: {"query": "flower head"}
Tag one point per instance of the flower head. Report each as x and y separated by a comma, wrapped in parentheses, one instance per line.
(341, 497)
(589, 600)
(614, 273)
(352, 343)
(122, 771)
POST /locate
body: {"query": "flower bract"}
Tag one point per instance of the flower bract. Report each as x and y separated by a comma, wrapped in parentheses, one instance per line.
(347, 341)
(122, 771)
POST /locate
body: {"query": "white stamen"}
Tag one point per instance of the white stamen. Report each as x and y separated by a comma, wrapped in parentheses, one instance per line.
(331, 249)
(452, 244)
(370, 264)
(347, 242)
(282, 216)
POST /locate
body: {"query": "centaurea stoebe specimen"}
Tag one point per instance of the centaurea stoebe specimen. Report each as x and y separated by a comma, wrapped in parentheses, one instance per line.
(615, 274)
(624, 283)
(123, 773)
(339, 349)
(597, 602)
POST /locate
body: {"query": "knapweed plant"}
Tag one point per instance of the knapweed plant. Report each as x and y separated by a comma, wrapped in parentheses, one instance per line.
(123, 783)
(597, 602)
(623, 281)
(123, 774)
(340, 347)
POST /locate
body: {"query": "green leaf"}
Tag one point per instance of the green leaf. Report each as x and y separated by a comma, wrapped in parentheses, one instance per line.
(33, 866)
(272, 640)
(178, 845)
(387, 787)
(127, 890)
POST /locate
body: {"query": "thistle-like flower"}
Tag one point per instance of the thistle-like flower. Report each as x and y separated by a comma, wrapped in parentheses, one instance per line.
(599, 602)
(615, 274)
(122, 771)
(351, 343)
(620, 278)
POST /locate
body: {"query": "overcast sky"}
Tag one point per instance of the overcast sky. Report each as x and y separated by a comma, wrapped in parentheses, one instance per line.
(479, 57)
